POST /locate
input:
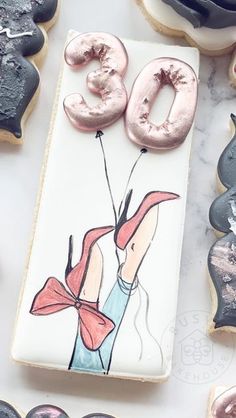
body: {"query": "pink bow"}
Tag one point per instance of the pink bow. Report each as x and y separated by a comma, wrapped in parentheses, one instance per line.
(94, 325)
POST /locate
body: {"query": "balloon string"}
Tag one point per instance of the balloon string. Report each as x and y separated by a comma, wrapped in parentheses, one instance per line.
(110, 191)
(108, 180)
(143, 151)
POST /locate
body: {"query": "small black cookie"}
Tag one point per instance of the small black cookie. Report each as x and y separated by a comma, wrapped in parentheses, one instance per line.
(227, 162)
(223, 211)
(7, 411)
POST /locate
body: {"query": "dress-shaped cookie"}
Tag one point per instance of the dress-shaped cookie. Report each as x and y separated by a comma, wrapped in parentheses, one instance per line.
(23, 39)
(222, 256)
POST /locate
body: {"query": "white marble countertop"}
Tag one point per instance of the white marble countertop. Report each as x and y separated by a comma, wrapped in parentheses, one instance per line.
(186, 393)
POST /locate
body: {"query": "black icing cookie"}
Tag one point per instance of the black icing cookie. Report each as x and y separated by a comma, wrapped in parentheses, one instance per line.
(223, 211)
(222, 268)
(222, 256)
(47, 411)
(7, 411)
(20, 37)
(227, 162)
(215, 14)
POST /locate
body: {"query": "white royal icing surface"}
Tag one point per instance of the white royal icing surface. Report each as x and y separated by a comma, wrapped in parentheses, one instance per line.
(75, 198)
(209, 39)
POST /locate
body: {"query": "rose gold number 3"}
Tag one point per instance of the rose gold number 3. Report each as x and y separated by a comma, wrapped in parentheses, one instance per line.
(106, 81)
(146, 87)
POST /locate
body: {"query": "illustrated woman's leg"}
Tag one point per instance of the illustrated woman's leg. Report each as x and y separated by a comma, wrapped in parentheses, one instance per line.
(114, 308)
(117, 300)
(82, 358)
(139, 244)
(93, 280)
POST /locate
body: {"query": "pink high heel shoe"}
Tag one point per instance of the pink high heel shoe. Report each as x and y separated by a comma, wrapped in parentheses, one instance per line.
(126, 229)
(75, 276)
(54, 296)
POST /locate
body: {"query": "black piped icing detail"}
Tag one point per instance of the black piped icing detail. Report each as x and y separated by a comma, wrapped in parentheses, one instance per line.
(19, 79)
(215, 14)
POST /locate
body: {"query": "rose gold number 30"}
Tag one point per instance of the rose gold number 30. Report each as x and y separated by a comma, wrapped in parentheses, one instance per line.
(107, 81)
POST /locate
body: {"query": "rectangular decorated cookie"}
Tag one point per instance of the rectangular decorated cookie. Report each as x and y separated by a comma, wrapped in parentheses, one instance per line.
(101, 285)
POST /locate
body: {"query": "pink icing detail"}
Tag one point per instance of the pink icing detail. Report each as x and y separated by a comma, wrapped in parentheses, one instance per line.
(47, 411)
(153, 77)
(74, 280)
(106, 81)
(128, 229)
(54, 297)
(94, 325)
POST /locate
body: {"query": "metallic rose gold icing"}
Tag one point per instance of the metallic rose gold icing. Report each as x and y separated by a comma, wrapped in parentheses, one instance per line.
(225, 405)
(147, 85)
(106, 81)
(42, 411)
(49, 411)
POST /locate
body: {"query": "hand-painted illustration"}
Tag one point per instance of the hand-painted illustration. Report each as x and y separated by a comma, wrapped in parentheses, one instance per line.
(98, 327)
